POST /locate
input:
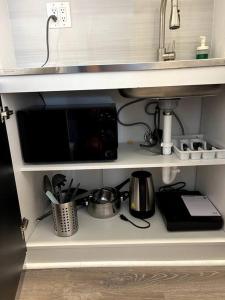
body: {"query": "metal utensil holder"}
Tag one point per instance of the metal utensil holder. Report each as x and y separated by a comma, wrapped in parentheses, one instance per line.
(65, 218)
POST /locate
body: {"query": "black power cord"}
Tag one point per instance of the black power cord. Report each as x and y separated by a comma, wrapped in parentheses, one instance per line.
(54, 18)
(157, 133)
(178, 186)
(179, 122)
(157, 127)
(124, 218)
(147, 106)
(42, 98)
(148, 133)
(151, 138)
(134, 123)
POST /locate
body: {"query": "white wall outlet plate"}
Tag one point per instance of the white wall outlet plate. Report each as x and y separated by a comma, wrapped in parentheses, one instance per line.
(62, 11)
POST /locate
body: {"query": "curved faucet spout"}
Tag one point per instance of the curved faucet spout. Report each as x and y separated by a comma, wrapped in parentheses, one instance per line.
(162, 23)
(174, 24)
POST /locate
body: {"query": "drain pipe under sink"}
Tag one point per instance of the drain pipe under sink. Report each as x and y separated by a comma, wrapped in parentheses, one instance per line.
(168, 173)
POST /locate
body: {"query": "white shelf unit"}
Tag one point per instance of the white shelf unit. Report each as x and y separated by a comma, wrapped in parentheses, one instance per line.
(117, 241)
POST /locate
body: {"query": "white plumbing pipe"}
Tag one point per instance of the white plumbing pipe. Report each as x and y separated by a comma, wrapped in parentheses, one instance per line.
(169, 174)
(167, 135)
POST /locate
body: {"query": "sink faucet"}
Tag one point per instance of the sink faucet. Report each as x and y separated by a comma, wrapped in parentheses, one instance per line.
(163, 54)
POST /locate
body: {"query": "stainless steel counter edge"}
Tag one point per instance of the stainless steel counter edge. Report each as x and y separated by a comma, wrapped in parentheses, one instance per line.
(179, 64)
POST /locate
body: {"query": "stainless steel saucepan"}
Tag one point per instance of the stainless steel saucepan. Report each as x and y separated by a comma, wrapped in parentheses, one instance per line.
(104, 202)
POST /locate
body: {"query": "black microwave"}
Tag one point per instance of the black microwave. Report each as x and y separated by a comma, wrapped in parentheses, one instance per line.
(83, 132)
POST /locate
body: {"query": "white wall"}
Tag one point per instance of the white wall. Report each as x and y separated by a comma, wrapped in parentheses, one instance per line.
(7, 53)
(211, 182)
(213, 118)
(218, 33)
(211, 179)
(105, 31)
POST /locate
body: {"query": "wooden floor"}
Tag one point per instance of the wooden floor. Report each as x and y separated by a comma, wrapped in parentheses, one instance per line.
(125, 284)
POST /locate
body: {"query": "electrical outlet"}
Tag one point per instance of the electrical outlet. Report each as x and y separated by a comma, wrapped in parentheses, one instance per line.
(62, 11)
(63, 14)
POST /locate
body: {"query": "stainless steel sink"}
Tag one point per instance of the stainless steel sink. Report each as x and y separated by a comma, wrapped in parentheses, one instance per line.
(173, 91)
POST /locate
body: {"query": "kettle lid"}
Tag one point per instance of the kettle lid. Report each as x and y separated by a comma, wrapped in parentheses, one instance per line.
(141, 174)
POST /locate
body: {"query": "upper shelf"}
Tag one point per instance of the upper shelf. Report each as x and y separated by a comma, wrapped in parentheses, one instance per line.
(130, 156)
(154, 74)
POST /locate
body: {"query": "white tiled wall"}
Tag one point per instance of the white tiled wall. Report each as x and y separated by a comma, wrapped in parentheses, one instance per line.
(105, 31)
(218, 33)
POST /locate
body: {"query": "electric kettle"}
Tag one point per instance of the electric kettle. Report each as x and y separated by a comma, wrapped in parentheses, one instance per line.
(141, 195)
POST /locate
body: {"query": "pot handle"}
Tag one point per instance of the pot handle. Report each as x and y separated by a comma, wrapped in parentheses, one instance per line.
(118, 187)
(124, 195)
(83, 195)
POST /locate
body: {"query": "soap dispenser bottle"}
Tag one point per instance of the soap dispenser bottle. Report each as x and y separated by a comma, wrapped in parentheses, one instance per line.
(203, 50)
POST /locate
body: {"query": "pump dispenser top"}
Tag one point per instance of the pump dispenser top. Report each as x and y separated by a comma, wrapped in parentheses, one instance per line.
(202, 50)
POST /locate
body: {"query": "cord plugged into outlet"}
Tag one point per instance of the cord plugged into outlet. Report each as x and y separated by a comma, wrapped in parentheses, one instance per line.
(53, 18)
(62, 11)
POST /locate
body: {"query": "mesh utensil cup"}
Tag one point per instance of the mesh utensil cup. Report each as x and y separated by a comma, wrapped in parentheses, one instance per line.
(65, 218)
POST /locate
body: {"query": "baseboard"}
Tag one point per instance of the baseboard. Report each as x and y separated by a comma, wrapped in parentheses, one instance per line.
(117, 264)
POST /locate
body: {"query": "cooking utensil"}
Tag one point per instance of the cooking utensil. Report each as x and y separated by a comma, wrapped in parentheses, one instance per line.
(58, 181)
(66, 198)
(142, 195)
(81, 195)
(45, 215)
(51, 197)
(75, 191)
(47, 186)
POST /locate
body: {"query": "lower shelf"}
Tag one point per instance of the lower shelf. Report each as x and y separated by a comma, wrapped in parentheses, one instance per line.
(102, 242)
(114, 231)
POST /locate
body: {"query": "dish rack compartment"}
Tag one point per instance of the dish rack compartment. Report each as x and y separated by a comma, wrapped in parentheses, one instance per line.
(197, 147)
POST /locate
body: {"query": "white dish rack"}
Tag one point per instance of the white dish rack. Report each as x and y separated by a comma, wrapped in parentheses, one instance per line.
(203, 152)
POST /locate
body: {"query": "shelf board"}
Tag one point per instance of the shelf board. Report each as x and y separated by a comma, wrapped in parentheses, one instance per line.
(114, 231)
(130, 77)
(129, 156)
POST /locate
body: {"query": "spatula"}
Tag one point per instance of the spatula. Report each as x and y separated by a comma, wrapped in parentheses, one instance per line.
(47, 187)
